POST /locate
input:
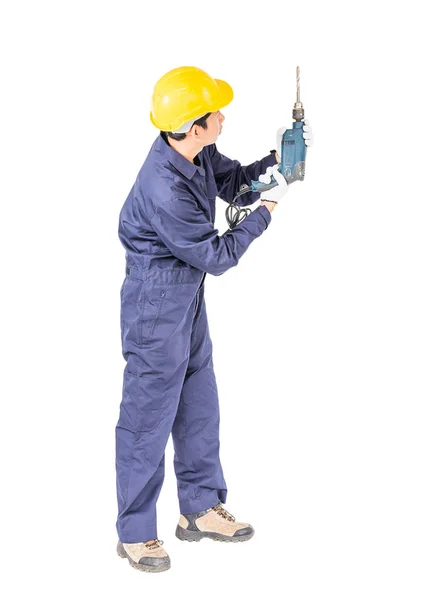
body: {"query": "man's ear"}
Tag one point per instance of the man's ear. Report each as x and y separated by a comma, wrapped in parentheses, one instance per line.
(193, 131)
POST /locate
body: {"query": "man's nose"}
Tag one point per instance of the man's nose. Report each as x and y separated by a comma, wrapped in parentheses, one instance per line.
(221, 117)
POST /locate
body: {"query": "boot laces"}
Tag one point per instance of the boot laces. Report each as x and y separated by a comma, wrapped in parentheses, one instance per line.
(153, 544)
(223, 513)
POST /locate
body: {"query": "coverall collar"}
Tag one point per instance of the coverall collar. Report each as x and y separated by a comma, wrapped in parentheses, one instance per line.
(184, 166)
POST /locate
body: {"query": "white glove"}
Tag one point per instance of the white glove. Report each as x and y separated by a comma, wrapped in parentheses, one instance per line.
(276, 193)
(308, 136)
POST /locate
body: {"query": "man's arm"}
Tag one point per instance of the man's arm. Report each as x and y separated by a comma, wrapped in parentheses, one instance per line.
(230, 175)
(191, 237)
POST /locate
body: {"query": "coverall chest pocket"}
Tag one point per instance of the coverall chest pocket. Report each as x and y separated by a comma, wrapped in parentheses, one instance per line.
(150, 309)
(211, 191)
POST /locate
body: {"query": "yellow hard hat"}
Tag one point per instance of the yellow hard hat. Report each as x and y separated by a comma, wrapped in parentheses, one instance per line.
(185, 94)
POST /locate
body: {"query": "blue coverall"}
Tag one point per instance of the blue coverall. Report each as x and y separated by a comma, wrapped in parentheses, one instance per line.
(167, 228)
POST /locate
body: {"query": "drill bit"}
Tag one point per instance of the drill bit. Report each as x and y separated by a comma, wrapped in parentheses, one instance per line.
(298, 112)
(298, 85)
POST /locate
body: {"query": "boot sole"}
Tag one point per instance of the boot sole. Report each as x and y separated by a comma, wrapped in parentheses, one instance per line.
(139, 566)
(195, 536)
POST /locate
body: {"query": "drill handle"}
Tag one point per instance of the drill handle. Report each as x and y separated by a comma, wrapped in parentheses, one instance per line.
(258, 186)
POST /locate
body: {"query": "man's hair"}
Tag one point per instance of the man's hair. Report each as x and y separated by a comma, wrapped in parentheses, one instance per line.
(181, 136)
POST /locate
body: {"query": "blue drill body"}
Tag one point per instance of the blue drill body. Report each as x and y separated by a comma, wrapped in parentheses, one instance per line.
(293, 155)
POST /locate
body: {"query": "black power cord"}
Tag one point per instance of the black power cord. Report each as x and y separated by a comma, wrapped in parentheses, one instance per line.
(240, 213)
(235, 213)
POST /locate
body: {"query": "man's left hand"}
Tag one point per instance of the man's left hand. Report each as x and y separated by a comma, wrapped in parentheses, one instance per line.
(308, 136)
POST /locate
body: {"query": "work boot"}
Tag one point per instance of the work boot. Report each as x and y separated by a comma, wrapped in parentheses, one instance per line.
(145, 556)
(215, 523)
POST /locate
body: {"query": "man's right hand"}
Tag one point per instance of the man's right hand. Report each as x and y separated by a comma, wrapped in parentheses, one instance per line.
(270, 205)
(276, 193)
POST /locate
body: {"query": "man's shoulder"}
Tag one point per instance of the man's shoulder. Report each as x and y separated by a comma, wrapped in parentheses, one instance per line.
(154, 187)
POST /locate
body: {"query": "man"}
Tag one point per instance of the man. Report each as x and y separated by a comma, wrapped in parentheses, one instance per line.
(167, 228)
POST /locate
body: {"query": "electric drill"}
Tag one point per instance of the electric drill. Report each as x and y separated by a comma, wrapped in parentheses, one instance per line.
(292, 151)
(292, 165)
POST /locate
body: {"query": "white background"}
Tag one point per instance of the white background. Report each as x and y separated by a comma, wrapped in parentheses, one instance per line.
(318, 332)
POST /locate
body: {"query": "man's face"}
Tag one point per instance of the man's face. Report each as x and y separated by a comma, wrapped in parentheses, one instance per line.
(211, 134)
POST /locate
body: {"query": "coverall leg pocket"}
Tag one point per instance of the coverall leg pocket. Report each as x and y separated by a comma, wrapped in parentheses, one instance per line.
(150, 310)
(141, 411)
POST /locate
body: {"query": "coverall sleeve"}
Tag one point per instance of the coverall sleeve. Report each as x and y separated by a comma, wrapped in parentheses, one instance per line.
(230, 175)
(184, 228)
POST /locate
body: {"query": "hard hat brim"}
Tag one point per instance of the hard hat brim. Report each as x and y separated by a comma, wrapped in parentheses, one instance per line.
(226, 94)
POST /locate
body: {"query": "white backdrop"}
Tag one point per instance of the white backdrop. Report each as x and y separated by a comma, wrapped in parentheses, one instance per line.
(317, 333)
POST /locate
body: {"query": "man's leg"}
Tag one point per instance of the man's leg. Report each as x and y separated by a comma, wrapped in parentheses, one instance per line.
(195, 431)
(140, 462)
(156, 339)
